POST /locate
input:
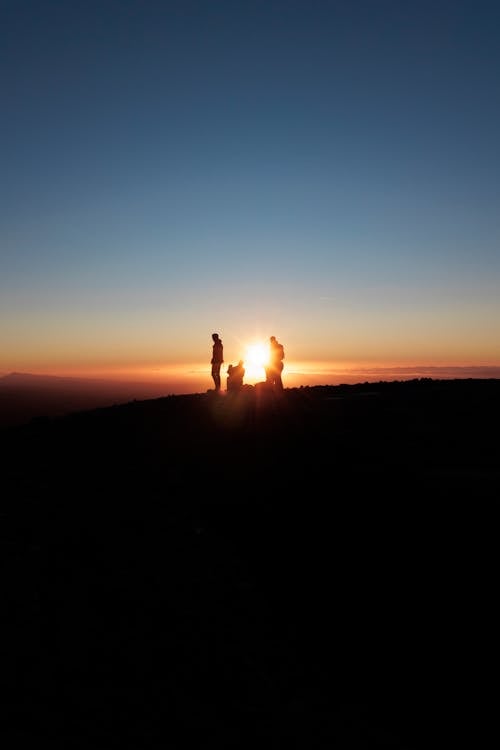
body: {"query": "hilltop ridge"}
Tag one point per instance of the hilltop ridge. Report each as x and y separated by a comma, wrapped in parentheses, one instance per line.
(374, 435)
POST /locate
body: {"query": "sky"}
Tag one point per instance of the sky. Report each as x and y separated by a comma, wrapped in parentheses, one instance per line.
(324, 171)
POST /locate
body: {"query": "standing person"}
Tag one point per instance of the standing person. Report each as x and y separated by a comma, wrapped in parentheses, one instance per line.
(275, 367)
(217, 359)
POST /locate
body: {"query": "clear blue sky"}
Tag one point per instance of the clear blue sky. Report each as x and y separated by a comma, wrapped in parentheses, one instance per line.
(328, 172)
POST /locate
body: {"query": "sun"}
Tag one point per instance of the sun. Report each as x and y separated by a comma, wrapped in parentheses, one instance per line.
(255, 360)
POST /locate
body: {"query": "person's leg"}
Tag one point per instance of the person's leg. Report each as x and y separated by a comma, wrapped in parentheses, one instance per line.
(216, 376)
(278, 383)
(271, 376)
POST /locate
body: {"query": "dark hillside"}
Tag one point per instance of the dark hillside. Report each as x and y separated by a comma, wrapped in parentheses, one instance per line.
(233, 570)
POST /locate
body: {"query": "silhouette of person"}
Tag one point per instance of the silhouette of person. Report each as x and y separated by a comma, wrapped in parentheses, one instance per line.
(275, 366)
(217, 359)
(235, 375)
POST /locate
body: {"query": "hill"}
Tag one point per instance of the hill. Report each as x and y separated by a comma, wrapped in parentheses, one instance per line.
(239, 570)
(413, 439)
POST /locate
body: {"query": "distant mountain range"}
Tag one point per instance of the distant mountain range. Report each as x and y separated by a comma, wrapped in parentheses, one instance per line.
(28, 379)
(24, 396)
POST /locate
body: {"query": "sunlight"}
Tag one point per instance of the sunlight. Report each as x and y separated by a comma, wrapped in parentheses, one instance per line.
(256, 357)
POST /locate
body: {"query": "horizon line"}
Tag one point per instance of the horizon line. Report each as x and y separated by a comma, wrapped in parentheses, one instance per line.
(197, 378)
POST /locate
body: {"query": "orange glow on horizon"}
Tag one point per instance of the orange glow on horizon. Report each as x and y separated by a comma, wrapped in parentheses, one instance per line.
(194, 377)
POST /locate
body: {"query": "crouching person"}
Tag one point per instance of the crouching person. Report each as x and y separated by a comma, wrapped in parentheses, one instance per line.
(235, 375)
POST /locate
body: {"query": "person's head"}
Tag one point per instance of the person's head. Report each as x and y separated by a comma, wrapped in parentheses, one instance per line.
(240, 363)
(215, 336)
(272, 339)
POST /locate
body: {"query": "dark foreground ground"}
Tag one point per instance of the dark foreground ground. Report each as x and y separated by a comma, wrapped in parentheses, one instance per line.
(216, 571)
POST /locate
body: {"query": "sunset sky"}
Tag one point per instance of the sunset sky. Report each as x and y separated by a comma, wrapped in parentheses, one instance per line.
(324, 171)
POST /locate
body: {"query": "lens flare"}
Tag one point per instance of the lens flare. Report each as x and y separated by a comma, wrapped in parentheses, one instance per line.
(256, 358)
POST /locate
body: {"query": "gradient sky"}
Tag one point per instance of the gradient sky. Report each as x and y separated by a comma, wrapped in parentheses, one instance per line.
(324, 171)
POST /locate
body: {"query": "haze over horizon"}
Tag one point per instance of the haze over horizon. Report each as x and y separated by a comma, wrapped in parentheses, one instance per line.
(146, 384)
(326, 172)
